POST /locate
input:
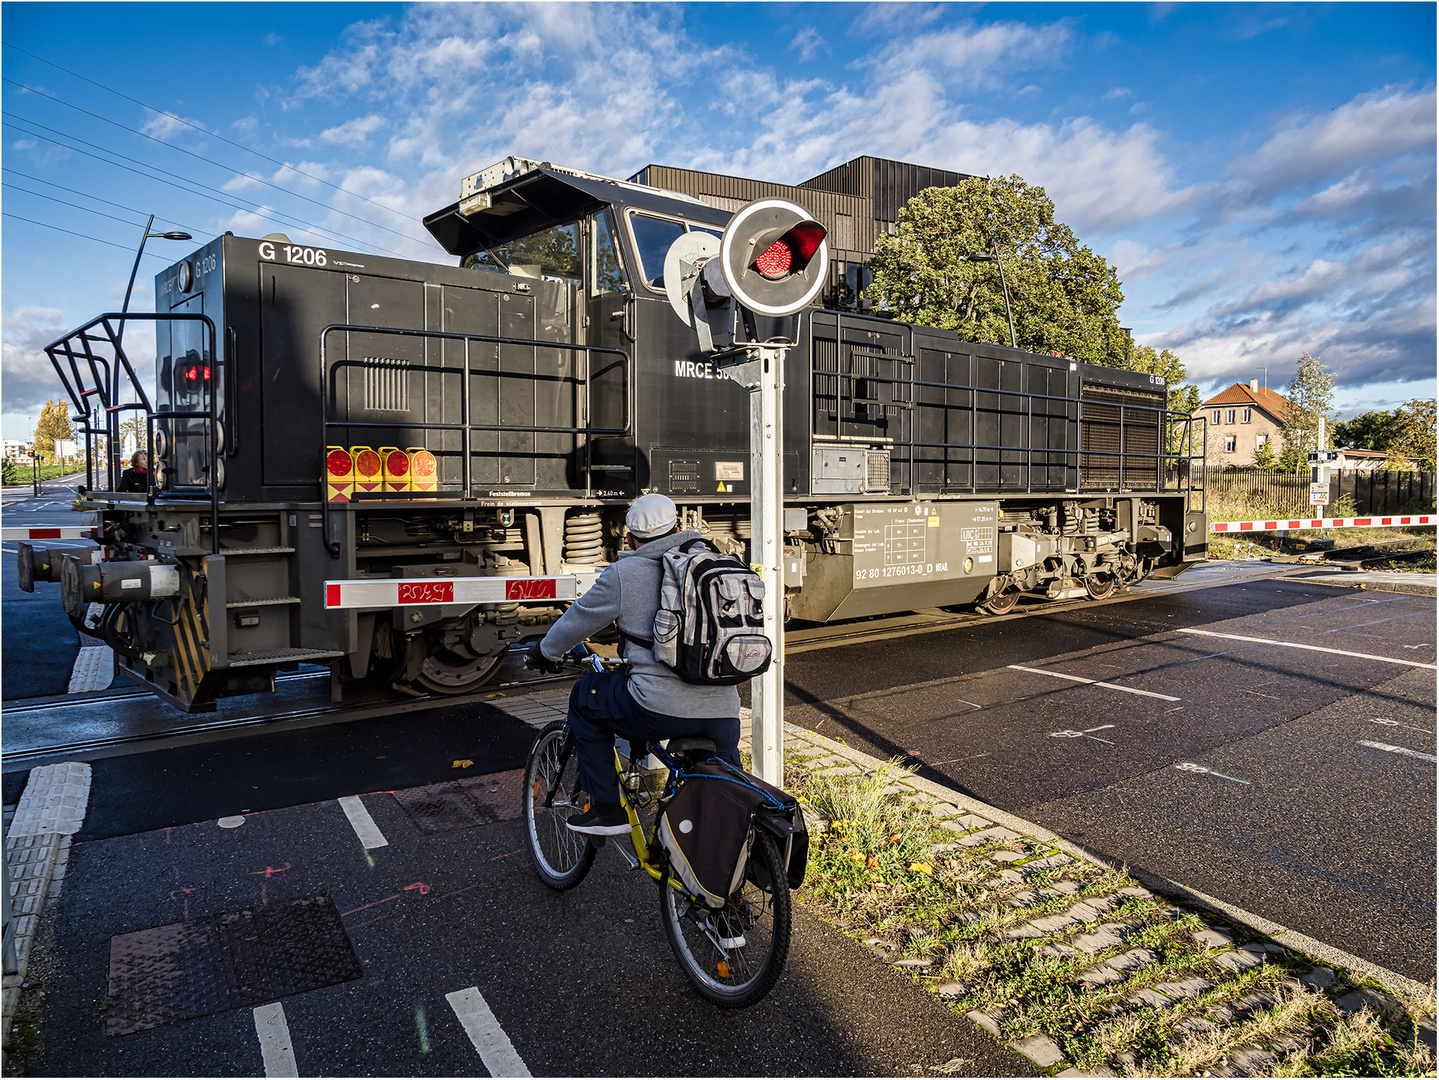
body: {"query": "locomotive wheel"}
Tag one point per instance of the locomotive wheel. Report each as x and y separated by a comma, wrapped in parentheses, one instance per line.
(1099, 586)
(446, 673)
(1000, 604)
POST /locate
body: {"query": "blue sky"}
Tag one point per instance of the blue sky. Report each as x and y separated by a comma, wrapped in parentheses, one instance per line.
(1261, 175)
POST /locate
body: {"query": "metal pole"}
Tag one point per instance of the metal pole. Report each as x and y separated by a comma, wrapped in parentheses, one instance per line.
(1004, 287)
(766, 550)
(133, 271)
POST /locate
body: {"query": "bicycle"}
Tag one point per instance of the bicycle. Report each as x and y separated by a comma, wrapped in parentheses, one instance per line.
(733, 956)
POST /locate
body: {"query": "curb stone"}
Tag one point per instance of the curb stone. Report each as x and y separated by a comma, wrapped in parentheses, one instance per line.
(1217, 941)
(37, 850)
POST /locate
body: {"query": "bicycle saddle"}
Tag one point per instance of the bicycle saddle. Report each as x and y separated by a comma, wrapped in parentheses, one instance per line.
(689, 744)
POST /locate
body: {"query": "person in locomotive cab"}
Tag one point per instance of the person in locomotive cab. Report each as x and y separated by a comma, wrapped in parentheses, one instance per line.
(647, 701)
(137, 476)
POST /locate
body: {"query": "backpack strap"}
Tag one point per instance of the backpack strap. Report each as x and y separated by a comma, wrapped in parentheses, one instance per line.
(625, 639)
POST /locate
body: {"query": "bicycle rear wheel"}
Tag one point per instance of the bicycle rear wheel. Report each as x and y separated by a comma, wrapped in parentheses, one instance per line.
(730, 973)
(562, 858)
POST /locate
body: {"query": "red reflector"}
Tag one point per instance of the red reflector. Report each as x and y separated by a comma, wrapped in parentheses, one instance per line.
(427, 592)
(339, 463)
(424, 463)
(776, 259)
(44, 534)
(367, 463)
(398, 463)
(530, 589)
(332, 596)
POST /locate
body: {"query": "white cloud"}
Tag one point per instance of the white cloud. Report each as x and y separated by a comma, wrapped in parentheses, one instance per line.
(1310, 150)
(27, 378)
(806, 42)
(354, 132)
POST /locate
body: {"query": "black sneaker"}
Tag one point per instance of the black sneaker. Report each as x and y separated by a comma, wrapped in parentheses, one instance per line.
(601, 821)
(729, 931)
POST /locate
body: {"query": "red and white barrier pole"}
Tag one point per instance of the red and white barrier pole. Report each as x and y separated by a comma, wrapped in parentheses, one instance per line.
(1377, 522)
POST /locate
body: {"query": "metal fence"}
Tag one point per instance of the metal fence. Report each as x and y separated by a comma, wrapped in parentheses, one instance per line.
(1386, 492)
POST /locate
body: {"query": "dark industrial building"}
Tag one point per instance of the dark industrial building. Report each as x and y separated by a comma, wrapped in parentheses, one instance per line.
(856, 202)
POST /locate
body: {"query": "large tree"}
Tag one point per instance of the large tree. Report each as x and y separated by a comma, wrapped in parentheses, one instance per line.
(1311, 393)
(1183, 397)
(938, 269)
(1367, 431)
(54, 424)
(1414, 432)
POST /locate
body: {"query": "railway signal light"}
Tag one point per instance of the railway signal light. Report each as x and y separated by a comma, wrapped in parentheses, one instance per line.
(367, 469)
(424, 472)
(339, 474)
(774, 257)
(396, 468)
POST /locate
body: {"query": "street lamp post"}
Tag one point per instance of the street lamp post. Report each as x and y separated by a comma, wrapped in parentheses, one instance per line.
(111, 422)
(1004, 287)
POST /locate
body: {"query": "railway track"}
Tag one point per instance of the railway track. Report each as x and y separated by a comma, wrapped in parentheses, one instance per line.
(799, 638)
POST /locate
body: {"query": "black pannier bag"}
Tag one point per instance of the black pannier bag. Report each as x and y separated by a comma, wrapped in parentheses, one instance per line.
(705, 828)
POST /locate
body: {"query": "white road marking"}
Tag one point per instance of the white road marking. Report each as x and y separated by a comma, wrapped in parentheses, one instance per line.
(363, 824)
(275, 1046)
(1093, 682)
(1311, 648)
(1189, 766)
(94, 669)
(1398, 750)
(494, 1047)
(1085, 734)
(1396, 723)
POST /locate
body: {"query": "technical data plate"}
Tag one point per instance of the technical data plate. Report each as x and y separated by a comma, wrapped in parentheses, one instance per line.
(207, 966)
(463, 804)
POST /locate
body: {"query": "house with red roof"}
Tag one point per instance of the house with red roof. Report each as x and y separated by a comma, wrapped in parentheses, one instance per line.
(1242, 419)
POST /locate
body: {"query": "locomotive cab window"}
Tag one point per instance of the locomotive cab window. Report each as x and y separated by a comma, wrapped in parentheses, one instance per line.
(552, 254)
(653, 236)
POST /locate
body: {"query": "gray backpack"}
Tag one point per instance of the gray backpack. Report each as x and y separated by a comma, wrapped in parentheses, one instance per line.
(709, 626)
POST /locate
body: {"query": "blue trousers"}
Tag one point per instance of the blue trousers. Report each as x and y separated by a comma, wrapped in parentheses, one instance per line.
(601, 708)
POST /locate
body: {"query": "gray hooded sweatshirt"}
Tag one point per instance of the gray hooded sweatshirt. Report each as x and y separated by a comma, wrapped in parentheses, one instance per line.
(628, 592)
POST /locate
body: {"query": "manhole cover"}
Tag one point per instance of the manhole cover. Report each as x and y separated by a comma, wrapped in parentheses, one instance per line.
(248, 957)
(463, 804)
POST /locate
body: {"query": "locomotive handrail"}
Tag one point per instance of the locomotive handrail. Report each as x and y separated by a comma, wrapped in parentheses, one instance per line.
(466, 373)
(79, 344)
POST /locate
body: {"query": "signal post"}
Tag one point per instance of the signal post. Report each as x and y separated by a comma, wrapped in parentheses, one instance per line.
(771, 261)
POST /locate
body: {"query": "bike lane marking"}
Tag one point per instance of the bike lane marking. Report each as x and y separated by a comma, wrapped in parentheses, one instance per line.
(1398, 750)
(492, 1044)
(1093, 682)
(1310, 648)
(275, 1045)
(363, 824)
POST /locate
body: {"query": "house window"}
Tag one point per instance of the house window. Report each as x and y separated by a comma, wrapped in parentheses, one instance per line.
(1216, 416)
(1247, 414)
(1229, 441)
(1229, 416)
(1260, 441)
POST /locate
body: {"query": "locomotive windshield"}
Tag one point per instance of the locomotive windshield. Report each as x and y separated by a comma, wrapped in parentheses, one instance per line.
(552, 254)
(653, 237)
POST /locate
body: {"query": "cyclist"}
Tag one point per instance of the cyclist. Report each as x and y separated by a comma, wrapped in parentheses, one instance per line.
(646, 701)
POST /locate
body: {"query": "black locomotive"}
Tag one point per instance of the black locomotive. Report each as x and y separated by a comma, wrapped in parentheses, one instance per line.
(325, 416)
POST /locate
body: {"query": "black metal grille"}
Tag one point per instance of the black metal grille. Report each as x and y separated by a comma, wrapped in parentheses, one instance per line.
(463, 804)
(207, 966)
(1119, 438)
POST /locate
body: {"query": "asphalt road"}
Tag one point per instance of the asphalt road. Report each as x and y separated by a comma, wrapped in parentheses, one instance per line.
(1247, 771)
(1296, 784)
(40, 644)
(581, 982)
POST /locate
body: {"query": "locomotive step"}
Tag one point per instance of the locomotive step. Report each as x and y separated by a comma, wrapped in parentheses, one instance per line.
(279, 656)
(268, 602)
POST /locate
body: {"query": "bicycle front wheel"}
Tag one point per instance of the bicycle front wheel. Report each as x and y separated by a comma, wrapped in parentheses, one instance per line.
(551, 797)
(735, 955)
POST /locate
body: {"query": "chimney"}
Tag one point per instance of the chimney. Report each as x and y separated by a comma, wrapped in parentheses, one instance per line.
(1254, 386)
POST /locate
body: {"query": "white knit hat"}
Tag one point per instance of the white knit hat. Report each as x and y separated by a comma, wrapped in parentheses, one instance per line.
(651, 516)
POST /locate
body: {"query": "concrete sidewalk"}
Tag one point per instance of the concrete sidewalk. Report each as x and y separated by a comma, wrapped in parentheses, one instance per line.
(1394, 581)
